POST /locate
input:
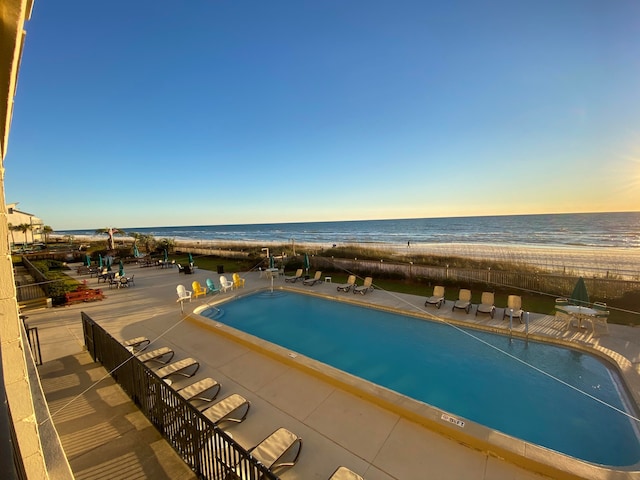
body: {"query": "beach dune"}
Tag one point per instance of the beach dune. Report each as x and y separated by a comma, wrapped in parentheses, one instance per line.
(612, 262)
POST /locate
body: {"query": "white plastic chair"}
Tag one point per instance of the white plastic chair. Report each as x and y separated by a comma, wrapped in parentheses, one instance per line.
(225, 284)
(183, 293)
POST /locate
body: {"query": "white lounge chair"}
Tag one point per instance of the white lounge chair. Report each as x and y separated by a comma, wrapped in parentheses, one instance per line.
(278, 451)
(225, 284)
(345, 287)
(181, 367)
(312, 281)
(137, 344)
(343, 473)
(294, 278)
(162, 355)
(487, 304)
(233, 408)
(437, 298)
(514, 308)
(464, 300)
(365, 287)
(205, 390)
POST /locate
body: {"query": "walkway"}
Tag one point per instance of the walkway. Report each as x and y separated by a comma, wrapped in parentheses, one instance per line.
(338, 427)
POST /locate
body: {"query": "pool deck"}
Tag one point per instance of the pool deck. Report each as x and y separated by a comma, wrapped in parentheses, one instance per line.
(105, 436)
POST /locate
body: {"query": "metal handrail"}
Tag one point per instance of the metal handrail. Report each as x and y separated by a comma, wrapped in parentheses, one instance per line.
(206, 448)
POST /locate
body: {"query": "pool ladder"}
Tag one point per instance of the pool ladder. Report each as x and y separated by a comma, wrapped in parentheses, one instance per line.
(526, 324)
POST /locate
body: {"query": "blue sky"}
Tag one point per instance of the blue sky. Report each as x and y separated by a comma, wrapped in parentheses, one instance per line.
(153, 113)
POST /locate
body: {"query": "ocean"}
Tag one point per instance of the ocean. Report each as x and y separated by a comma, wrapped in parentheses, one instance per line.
(595, 230)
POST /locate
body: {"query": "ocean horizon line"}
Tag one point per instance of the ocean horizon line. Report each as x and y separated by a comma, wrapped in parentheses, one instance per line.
(304, 222)
(618, 229)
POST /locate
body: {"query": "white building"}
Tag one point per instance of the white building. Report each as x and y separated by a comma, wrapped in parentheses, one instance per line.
(16, 219)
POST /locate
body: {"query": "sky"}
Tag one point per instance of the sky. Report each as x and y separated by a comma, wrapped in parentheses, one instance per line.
(213, 112)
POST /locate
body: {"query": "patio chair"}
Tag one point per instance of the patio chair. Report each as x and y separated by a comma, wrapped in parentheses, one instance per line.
(233, 408)
(365, 287)
(278, 451)
(181, 367)
(137, 344)
(123, 282)
(343, 473)
(225, 284)
(238, 281)
(487, 304)
(205, 390)
(602, 316)
(562, 315)
(345, 287)
(114, 281)
(514, 308)
(161, 355)
(198, 289)
(294, 278)
(437, 298)
(464, 300)
(312, 281)
(211, 287)
(602, 309)
(183, 293)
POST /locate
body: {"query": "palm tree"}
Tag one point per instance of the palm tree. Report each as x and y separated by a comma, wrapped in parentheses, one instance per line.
(137, 237)
(110, 231)
(46, 230)
(24, 228)
(12, 229)
(167, 243)
(148, 241)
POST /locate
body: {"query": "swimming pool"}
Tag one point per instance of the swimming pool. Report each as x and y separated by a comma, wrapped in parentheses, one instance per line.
(476, 375)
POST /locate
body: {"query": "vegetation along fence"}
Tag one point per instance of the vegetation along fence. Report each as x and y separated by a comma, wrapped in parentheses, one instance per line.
(553, 284)
(209, 451)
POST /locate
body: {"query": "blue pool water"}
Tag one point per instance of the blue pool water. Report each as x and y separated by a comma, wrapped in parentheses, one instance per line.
(449, 369)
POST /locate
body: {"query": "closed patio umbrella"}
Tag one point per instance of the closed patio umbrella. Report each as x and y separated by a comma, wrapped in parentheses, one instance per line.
(108, 263)
(100, 261)
(87, 260)
(190, 259)
(271, 262)
(136, 253)
(121, 271)
(166, 256)
(580, 296)
(306, 263)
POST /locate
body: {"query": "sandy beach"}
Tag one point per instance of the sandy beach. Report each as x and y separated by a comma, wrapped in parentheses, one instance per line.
(623, 263)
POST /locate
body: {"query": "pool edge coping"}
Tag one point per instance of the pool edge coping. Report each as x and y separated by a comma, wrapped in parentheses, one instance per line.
(492, 442)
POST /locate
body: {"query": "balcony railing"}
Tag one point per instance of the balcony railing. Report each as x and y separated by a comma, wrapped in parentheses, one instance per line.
(208, 450)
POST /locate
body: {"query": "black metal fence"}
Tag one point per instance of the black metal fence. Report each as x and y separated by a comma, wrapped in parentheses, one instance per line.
(34, 344)
(30, 291)
(208, 450)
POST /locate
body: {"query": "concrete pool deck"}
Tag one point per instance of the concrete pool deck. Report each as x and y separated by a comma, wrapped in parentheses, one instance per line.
(338, 427)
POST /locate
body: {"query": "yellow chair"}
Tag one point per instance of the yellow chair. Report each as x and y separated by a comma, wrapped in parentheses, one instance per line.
(198, 289)
(238, 282)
